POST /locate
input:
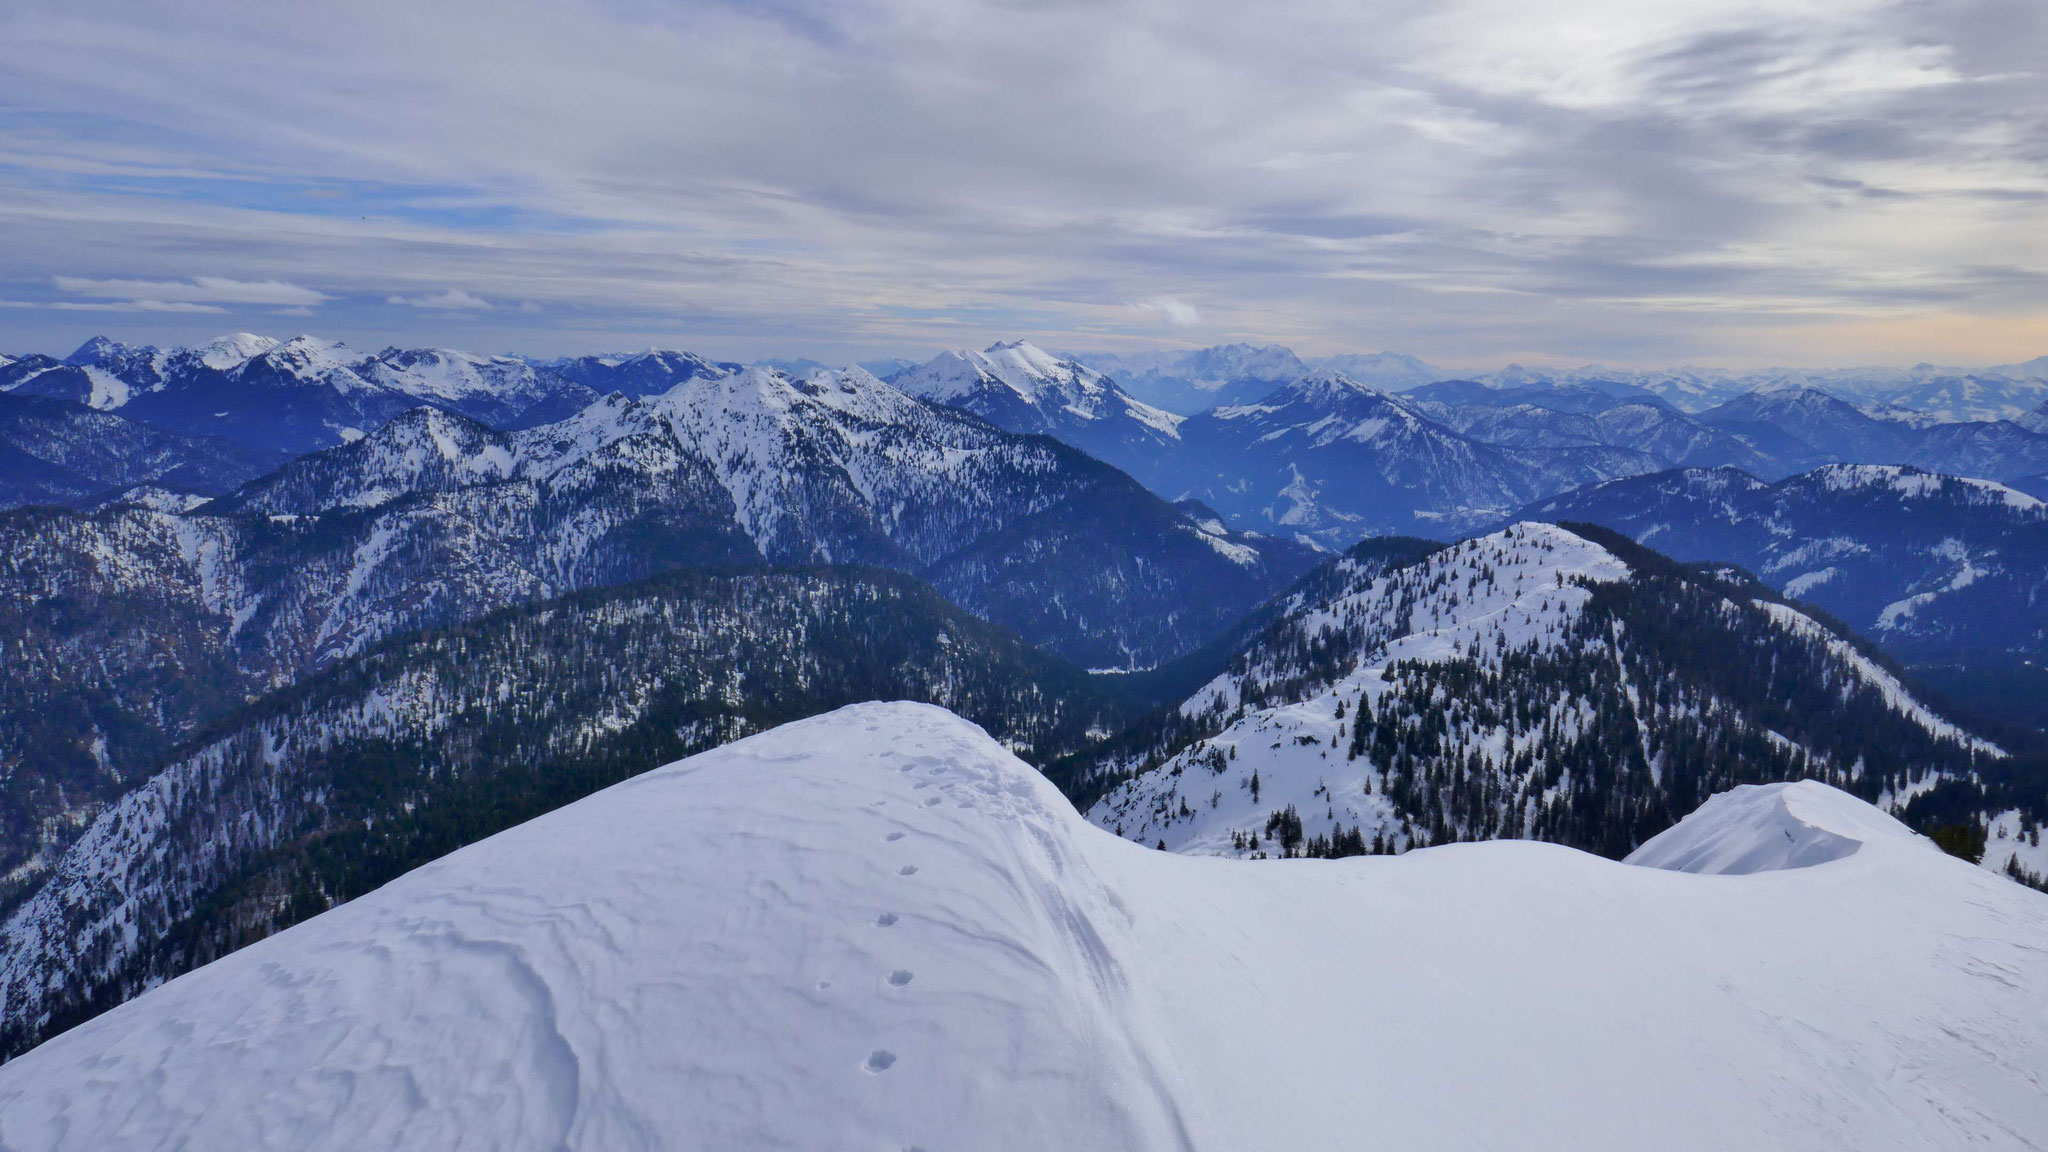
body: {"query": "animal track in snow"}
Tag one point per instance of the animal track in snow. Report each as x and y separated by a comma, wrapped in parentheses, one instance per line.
(907, 870)
(879, 1060)
(899, 977)
(893, 836)
(886, 919)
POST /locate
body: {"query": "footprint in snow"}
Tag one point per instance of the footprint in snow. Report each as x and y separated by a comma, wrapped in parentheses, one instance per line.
(899, 977)
(893, 836)
(907, 870)
(879, 1060)
(885, 920)
(932, 803)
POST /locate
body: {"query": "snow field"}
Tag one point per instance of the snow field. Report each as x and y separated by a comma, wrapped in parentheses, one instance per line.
(877, 929)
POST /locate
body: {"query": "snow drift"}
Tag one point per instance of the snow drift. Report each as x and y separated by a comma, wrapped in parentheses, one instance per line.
(877, 929)
(1765, 827)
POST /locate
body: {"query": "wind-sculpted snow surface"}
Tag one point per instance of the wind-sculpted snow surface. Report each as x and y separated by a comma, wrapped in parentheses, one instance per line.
(1767, 827)
(876, 929)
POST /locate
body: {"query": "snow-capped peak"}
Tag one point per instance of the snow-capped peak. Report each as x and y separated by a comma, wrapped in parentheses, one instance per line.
(1327, 386)
(1022, 387)
(1020, 366)
(95, 351)
(1023, 360)
(224, 353)
(310, 356)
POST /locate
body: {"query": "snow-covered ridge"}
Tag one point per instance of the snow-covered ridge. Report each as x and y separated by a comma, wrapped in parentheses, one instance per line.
(233, 350)
(1004, 375)
(1020, 366)
(1770, 827)
(120, 372)
(1538, 570)
(1535, 587)
(1912, 482)
(947, 957)
(1511, 607)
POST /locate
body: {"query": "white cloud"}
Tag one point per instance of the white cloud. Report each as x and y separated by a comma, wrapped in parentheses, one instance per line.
(138, 306)
(197, 290)
(1178, 313)
(454, 299)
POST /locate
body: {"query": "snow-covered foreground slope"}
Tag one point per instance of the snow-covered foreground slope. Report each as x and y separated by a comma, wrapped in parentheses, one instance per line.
(877, 929)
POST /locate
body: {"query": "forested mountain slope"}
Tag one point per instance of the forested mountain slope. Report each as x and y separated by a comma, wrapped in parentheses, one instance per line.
(321, 792)
(60, 452)
(1537, 683)
(1926, 564)
(133, 625)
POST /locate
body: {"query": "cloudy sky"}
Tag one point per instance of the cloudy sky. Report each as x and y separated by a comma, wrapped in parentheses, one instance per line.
(1635, 182)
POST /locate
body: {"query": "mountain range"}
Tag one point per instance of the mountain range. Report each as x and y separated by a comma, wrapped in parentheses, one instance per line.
(305, 394)
(1187, 382)
(1329, 459)
(134, 626)
(1998, 392)
(293, 630)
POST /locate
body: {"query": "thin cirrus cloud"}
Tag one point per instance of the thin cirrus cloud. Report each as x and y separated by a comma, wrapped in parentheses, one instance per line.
(200, 295)
(1640, 181)
(451, 300)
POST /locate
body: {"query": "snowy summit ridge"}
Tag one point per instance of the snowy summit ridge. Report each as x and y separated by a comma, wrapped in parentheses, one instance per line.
(953, 959)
